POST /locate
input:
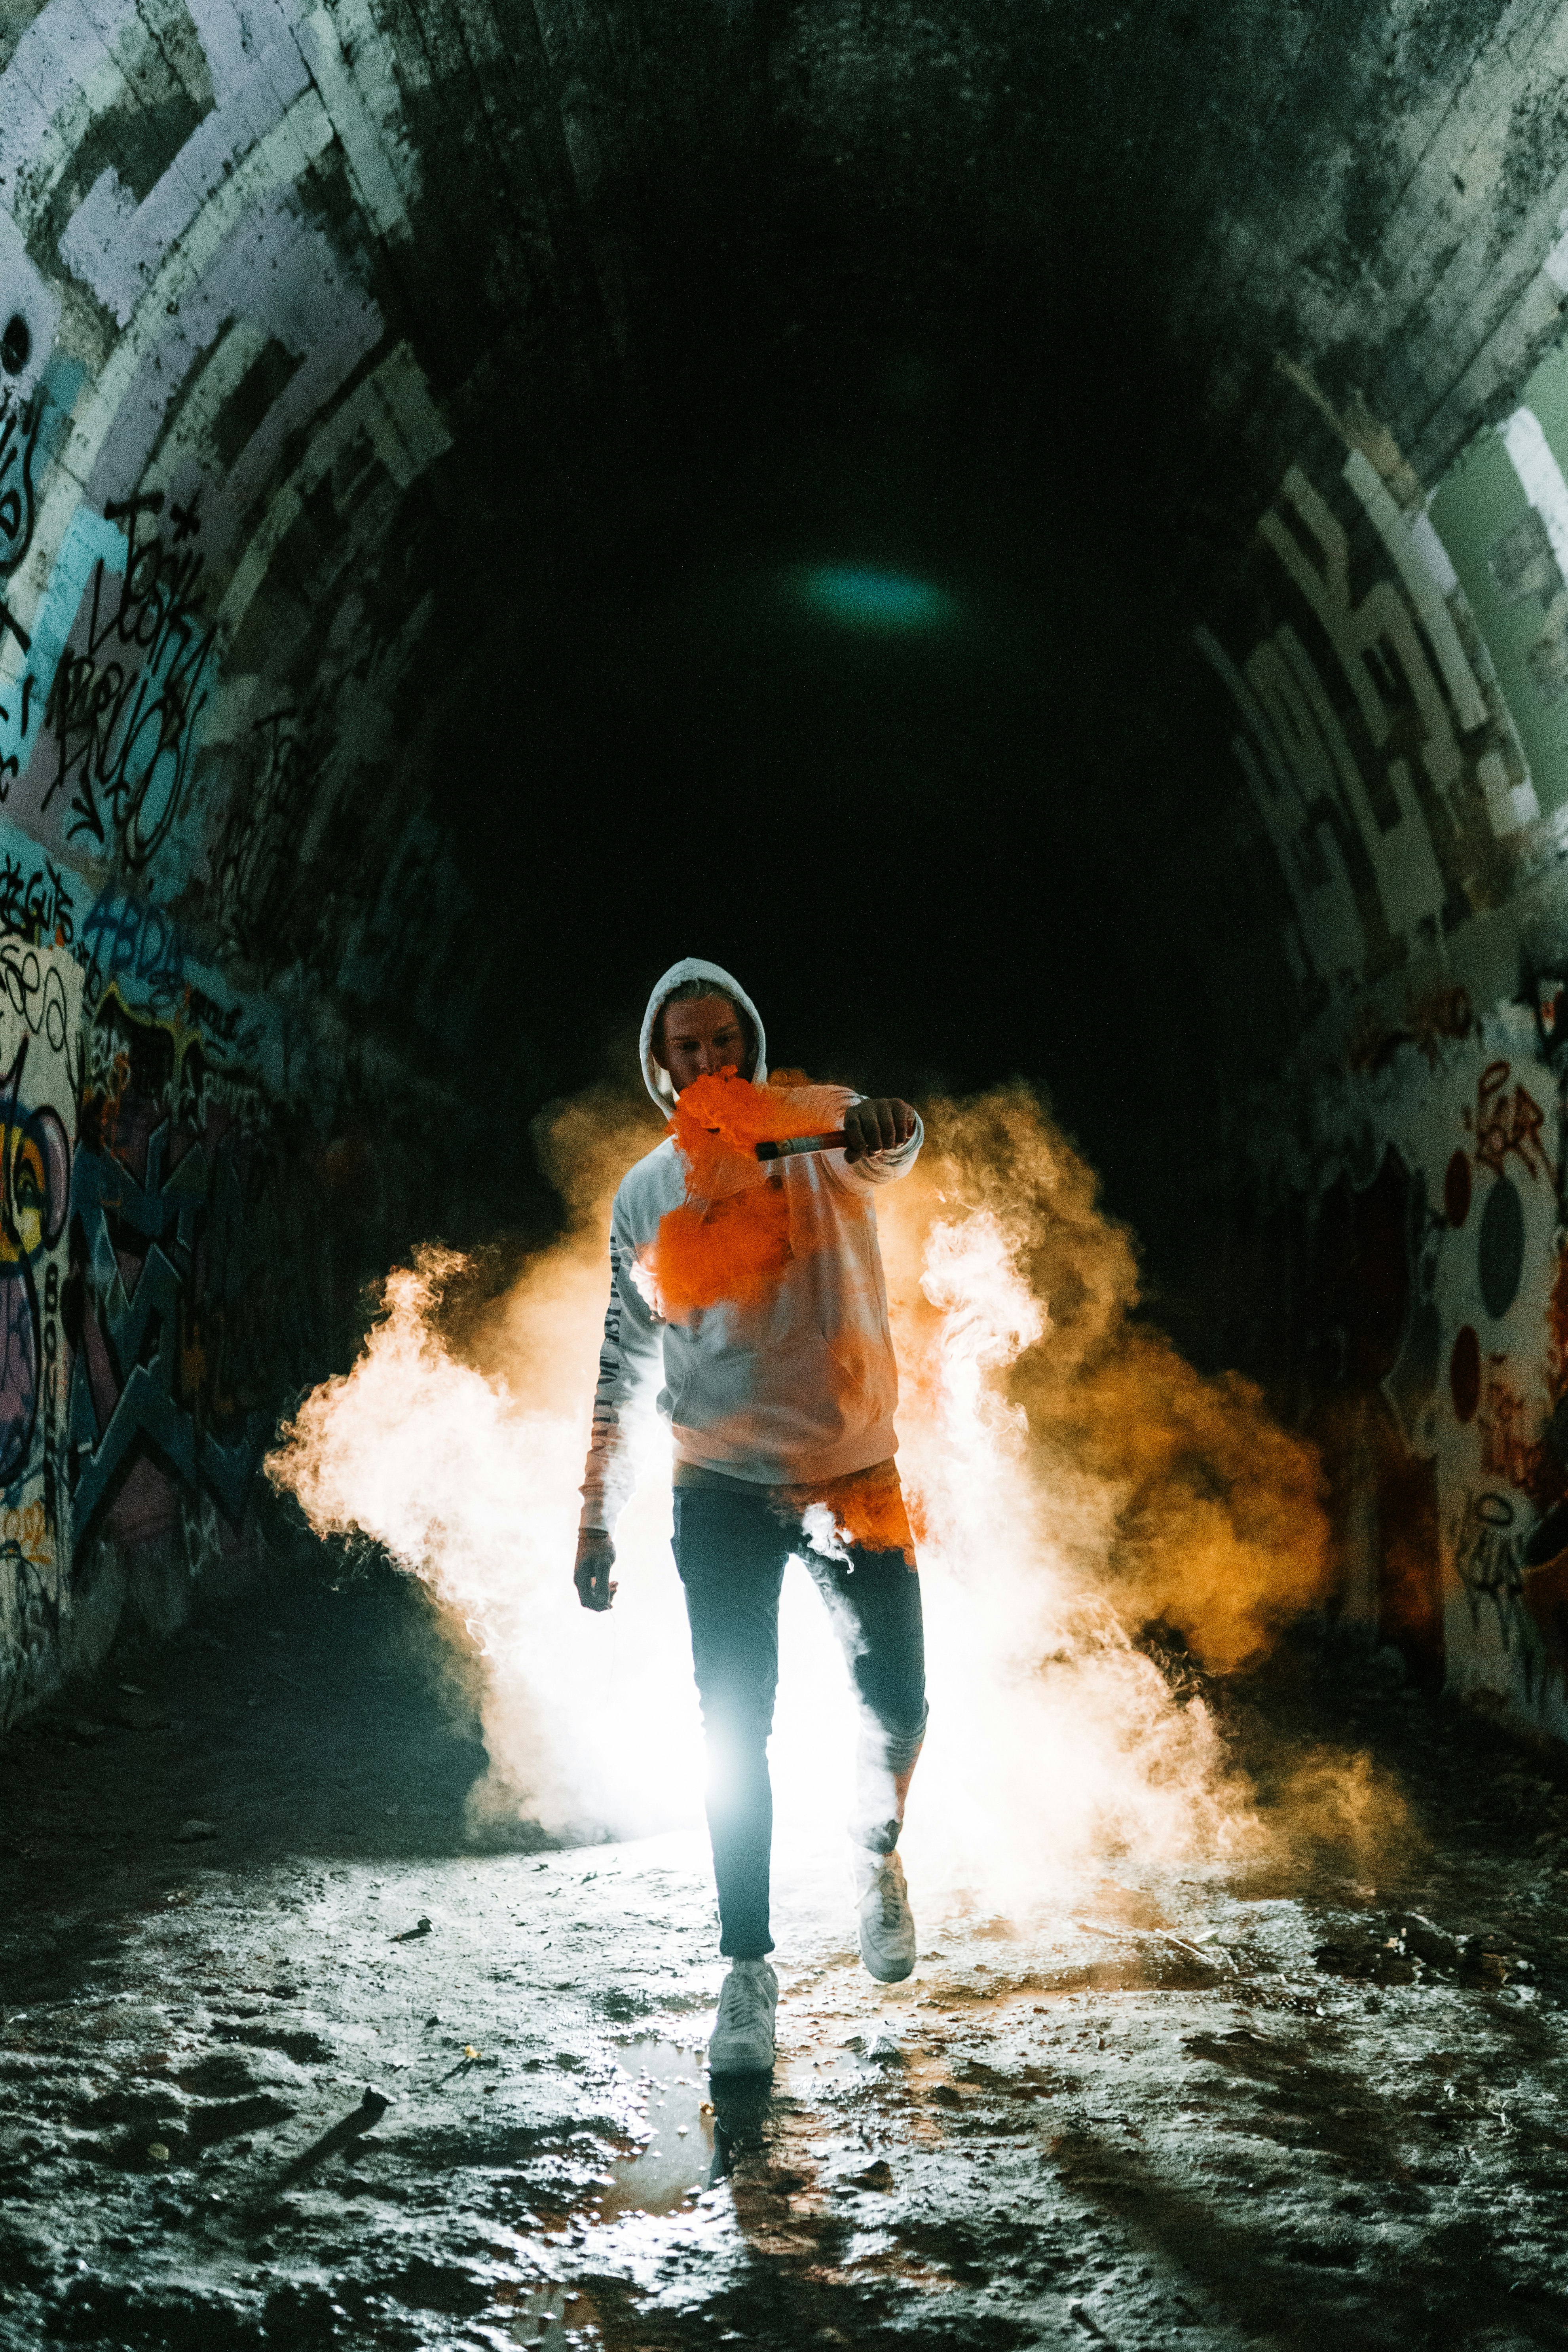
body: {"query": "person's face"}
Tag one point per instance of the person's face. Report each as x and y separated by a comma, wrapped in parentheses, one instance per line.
(701, 1036)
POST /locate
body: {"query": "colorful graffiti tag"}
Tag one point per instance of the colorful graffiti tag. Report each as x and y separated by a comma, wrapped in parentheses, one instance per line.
(182, 1210)
(40, 1022)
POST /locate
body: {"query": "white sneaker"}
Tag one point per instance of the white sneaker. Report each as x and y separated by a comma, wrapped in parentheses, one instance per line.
(743, 2040)
(883, 1909)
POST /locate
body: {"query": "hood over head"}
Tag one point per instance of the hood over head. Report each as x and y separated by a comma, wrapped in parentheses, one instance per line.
(694, 968)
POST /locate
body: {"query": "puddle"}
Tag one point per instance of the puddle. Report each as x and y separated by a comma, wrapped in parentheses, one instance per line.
(679, 2156)
(550, 2317)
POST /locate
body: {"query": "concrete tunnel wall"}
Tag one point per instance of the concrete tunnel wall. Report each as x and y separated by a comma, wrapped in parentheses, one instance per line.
(280, 285)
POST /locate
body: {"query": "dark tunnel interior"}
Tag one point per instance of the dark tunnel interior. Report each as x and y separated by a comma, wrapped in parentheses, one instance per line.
(937, 804)
(1037, 537)
(863, 808)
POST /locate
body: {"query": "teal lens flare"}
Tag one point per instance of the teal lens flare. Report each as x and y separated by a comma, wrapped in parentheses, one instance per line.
(858, 598)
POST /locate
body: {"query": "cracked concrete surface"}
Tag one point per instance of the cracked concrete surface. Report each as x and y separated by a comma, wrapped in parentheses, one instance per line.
(284, 2061)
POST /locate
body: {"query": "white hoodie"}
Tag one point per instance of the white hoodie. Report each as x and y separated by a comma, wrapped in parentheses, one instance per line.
(796, 1389)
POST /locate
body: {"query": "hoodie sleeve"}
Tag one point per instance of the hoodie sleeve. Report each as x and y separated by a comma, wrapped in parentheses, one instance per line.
(632, 1351)
(877, 1166)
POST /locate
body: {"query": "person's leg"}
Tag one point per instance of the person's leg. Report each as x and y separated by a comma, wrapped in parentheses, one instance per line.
(874, 1603)
(730, 1551)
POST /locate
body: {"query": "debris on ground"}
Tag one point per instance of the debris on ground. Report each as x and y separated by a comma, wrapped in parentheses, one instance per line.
(1315, 2098)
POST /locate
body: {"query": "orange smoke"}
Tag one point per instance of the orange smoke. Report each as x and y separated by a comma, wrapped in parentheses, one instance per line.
(731, 1241)
(868, 1508)
(717, 1117)
(1178, 1493)
(732, 1250)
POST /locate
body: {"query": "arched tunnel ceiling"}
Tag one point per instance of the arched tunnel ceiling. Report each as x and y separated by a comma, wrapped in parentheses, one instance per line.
(421, 419)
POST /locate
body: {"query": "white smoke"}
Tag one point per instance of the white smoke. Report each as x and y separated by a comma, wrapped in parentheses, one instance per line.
(1053, 1739)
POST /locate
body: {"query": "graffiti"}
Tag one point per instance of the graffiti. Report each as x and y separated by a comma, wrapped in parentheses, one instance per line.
(18, 444)
(221, 1021)
(35, 906)
(1440, 1014)
(1502, 1122)
(257, 854)
(24, 1533)
(1508, 1451)
(185, 1205)
(35, 1190)
(1486, 1558)
(142, 1342)
(30, 1587)
(1525, 1584)
(129, 939)
(18, 440)
(1551, 1000)
(122, 713)
(40, 1010)
(1430, 1020)
(32, 982)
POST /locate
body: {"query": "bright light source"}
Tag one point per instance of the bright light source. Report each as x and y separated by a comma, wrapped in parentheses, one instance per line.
(1054, 1743)
(857, 597)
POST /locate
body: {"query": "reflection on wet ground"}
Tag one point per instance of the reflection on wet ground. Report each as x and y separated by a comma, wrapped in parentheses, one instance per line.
(677, 2155)
(550, 2318)
(1319, 2101)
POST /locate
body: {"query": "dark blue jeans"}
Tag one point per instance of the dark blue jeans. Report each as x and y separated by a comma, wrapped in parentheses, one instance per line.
(730, 1550)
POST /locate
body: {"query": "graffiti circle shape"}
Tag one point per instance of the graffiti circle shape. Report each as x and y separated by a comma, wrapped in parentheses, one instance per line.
(15, 344)
(1465, 1374)
(1500, 1255)
(45, 1133)
(1457, 1190)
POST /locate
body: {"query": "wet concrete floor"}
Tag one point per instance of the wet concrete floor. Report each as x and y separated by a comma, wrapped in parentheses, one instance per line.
(284, 2061)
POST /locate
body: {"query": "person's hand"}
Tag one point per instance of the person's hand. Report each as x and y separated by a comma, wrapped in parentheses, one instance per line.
(879, 1125)
(595, 1558)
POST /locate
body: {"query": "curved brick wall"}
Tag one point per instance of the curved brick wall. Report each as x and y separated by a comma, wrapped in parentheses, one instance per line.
(337, 345)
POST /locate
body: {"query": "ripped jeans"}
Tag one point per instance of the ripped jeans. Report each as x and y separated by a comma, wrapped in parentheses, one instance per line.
(730, 1550)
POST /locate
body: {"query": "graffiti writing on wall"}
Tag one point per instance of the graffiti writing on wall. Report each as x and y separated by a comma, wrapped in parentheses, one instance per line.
(198, 1282)
(122, 711)
(1504, 1122)
(36, 904)
(40, 1016)
(1528, 1601)
(1510, 1449)
(18, 444)
(257, 853)
(1486, 1558)
(1434, 1018)
(130, 940)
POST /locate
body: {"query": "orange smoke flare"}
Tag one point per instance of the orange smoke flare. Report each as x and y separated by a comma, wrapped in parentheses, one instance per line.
(717, 1117)
(733, 1241)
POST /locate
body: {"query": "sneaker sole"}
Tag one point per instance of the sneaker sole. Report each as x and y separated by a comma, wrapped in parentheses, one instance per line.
(893, 1975)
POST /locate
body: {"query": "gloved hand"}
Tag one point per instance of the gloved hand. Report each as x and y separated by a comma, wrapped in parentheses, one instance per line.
(595, 1558)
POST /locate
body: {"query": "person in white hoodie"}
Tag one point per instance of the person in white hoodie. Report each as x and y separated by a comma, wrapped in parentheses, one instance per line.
(782, 1414)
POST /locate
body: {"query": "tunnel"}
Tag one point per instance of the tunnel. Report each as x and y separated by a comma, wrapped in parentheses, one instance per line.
(1037, 538)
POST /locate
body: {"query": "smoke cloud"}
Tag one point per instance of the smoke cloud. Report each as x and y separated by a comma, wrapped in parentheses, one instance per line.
(736, 1234)
(1070, 1477)
(1175, 1494)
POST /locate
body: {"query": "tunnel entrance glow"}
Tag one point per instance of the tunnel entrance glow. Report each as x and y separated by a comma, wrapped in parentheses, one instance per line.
(858, 596)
